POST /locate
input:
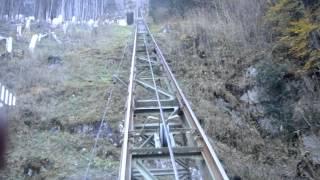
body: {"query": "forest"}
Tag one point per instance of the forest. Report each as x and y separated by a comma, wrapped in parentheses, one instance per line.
(49, 9)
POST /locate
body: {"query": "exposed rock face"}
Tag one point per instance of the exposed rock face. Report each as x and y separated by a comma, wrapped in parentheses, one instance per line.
(251, 72)
(312, 145)
(266, 124)
(246, 104)
(251, 96)
(307, 168)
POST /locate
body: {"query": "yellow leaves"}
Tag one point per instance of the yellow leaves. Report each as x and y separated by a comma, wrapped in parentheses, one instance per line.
(275, 10)
(311, 64)
(294, 25)
(302, 27)
(314, 61)
(279, 13)
(279, 6)
(297, 37)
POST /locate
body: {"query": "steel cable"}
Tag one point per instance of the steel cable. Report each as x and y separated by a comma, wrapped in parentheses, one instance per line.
(167, 131)
(103, 119)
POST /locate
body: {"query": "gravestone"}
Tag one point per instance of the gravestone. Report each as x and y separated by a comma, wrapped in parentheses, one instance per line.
(57, 21)
(9, 44)
(122, 22)
(28, 22)
(130, 18)
(33, 42)
(19, 30)
(65, 27)
(74, 20)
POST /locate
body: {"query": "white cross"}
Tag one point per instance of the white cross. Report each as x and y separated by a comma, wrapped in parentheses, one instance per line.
(6, 97)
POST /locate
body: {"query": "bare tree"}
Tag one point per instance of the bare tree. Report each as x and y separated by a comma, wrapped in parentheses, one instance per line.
(45, 9)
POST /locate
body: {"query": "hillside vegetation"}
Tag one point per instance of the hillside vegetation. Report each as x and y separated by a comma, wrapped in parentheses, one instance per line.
(251, 69)
(62, 91)
(296, 28)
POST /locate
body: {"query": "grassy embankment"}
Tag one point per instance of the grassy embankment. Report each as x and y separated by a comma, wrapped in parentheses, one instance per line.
(54, 97)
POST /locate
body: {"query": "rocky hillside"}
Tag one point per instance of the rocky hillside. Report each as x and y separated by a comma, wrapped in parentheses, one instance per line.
(251, 69)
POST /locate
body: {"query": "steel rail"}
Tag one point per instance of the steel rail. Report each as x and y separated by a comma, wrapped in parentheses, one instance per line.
(213, 163)
(125, 160)
(135, 157)
(173, 162)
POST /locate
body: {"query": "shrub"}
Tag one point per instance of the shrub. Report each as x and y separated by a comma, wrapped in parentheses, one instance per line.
(277, 95)
(294, 25)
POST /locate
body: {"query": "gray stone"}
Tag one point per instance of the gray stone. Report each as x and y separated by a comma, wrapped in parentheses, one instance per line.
(251, 96)
(251, 72)
(312, 144)
(266, 124)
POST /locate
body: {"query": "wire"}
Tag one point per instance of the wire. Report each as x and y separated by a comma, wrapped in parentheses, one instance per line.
(103, 119)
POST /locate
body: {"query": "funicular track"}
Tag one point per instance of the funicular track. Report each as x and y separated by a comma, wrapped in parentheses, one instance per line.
(162, 136)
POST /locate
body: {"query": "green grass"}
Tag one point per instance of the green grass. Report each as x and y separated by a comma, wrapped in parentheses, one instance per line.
(72, 93)
(68, 153)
